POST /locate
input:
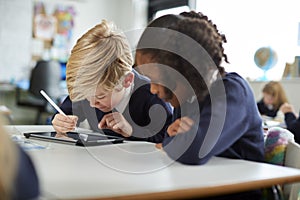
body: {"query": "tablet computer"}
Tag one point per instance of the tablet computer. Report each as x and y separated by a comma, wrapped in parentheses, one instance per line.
(75, 138)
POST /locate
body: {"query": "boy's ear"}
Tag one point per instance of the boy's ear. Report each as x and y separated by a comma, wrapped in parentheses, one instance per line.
(129, 78)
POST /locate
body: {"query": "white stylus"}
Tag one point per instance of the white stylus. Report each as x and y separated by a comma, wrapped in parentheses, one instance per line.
(52, 103)
(55, 106)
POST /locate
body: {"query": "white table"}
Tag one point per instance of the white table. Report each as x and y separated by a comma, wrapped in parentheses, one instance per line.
(138, 170)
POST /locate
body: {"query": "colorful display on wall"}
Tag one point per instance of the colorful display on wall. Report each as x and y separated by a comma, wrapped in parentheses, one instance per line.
(52, 30)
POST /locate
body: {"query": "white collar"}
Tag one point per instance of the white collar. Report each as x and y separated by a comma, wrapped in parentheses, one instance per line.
(125, 100)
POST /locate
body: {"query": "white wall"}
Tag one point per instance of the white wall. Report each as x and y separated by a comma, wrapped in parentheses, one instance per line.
(16, 27)
(126, 14)
(249, 25)
(15, 37)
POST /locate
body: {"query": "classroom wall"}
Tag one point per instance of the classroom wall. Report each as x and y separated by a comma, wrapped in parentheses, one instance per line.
(16, 36)
(16, 27)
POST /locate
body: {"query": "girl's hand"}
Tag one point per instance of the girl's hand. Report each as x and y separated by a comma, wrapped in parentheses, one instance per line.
(63, 124)
(116, 122)
(180, 125)
(159, 146)
(285, 108)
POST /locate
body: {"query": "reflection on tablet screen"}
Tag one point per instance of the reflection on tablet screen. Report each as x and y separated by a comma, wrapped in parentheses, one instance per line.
(81, 139)
(66, 136)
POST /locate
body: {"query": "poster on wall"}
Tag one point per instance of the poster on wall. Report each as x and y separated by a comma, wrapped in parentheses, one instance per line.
(53, 26)
(44, 27)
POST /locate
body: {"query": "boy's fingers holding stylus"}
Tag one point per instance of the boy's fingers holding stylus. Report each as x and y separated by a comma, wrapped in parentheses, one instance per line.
(73, 118)
(69, 119)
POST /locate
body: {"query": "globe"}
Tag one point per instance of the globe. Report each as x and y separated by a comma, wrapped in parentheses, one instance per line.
(265, 58)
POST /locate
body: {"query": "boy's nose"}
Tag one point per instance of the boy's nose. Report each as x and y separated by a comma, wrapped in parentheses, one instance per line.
(93, 103)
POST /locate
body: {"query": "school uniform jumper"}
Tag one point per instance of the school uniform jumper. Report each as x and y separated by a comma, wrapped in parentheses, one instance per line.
(146, 113)
(230, 127)
(293, 125)
(264, 110)
(26, 181)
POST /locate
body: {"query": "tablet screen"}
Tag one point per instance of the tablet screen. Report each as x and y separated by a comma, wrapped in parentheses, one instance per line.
(80, 139)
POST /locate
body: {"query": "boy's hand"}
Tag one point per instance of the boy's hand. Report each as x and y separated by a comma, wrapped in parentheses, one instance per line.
(180, 125)
(63, 124)
(117, 123)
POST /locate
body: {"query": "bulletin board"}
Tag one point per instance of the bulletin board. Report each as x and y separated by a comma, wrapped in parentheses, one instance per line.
(21, 42)
(53, 27)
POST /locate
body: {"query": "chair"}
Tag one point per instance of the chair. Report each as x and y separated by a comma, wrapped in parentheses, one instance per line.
(281, 149)
(292, 159)
(276, 143)
(45, 75)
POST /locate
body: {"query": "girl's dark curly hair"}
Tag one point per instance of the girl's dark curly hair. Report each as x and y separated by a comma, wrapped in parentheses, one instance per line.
(199, 28)
(212, 43)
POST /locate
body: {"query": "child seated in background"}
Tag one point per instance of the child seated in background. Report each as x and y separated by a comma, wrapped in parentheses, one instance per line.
(292, 121)
(105, 90)
(18, 178)
(273, 97)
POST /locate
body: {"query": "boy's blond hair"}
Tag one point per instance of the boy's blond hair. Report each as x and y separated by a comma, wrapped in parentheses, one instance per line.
(101, 57)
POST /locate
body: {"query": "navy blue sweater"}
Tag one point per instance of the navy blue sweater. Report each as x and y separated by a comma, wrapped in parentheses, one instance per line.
(148, 115)
(227, 125)
(26, 182)
(264, 110)
(293, 125)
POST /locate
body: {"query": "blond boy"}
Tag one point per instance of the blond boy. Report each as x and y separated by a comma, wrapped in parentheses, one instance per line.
(105, 90)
